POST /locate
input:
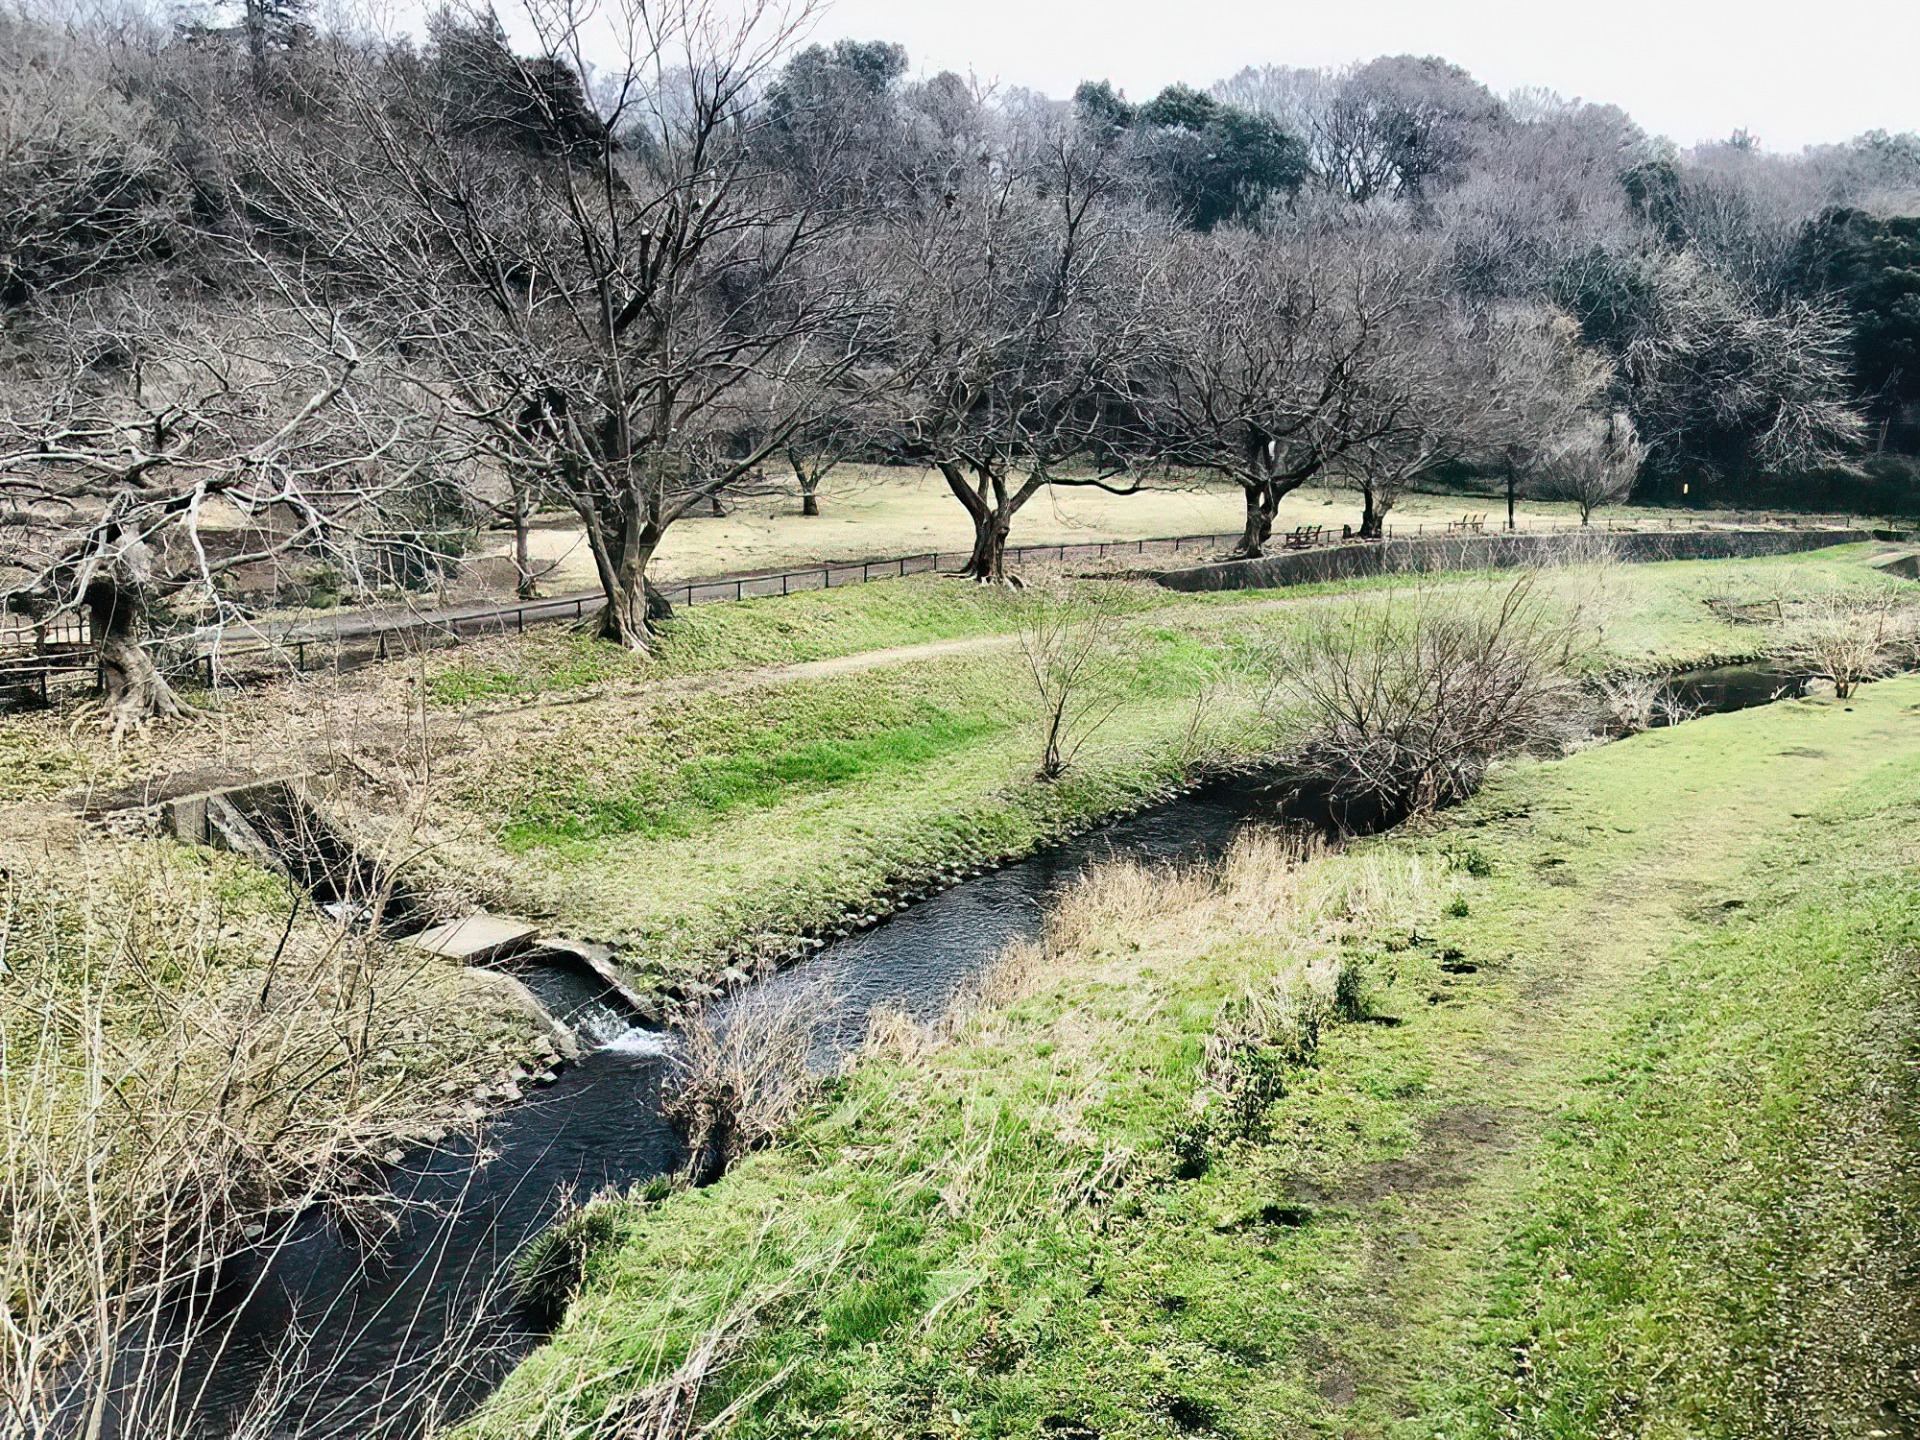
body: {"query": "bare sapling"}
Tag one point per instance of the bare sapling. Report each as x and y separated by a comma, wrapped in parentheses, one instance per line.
(1070, 644)
(1595, 463)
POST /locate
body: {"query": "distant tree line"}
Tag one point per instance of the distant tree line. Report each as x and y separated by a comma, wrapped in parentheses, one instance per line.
(299, 285)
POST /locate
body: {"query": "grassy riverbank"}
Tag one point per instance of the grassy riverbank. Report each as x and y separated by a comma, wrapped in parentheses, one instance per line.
(784, 762)
(1634, 1155)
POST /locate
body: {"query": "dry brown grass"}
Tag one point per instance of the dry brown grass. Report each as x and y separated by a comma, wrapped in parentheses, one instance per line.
(176, 1066)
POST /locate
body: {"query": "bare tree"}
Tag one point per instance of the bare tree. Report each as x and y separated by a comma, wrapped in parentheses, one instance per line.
(1069, 643)
(150, 448)
(1269, 339)
(1017, 318)
(1528, 386)
(593, 266)
(816, 449)
(1595, 464)
(1401, 126)
(1722, 384)
(1849, 639)
(87, 188)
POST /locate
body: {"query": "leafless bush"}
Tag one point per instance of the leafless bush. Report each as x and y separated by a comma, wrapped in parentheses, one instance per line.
(1849, 639)
(1070, 643)
(160, 1102)
(1631, 702)
(1408, 701)
(1594, 463)
(739, 1081)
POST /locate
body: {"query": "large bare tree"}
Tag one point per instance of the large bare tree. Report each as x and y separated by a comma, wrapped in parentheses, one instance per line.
(1269, 340)
(152, 444)
(1018, 305)
(586, 254)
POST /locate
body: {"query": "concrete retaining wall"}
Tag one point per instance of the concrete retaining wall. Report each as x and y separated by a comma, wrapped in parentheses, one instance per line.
(1495, 552)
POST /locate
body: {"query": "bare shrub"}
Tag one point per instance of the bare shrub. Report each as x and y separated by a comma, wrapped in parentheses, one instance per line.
(1848, 639)
(1070, 643)
(1631, 702)
(1634, 704)
(737, 1082)
(1408, 701)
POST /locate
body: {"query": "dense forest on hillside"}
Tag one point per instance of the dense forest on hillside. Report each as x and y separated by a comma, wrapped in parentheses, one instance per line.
(271, 287)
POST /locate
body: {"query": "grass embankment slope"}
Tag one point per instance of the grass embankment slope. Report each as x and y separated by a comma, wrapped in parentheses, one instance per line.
(1637, 1158)
(784, 761)
(896, 734)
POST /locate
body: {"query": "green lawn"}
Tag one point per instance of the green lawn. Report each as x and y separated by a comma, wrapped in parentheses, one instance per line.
(1635, 1159)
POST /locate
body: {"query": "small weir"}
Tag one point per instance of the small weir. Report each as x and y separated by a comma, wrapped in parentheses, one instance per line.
(333, 1334)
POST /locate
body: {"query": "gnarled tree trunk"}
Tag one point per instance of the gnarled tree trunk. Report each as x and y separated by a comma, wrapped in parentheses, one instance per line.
(131, 685)
(1261, 504)
(991, 506)
(988, 562)
(1372, 518)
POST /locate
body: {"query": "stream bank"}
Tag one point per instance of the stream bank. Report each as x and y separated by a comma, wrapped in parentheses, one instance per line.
(425, 1321)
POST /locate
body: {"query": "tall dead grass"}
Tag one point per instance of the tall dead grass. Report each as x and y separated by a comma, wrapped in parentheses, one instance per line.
(173, 1073)
(740, 1079)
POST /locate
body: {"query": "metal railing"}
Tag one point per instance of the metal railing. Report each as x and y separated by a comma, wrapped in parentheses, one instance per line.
(367, 637)
(29, 654)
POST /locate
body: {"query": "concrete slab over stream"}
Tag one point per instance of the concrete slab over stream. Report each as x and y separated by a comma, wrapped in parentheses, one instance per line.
(477, 939)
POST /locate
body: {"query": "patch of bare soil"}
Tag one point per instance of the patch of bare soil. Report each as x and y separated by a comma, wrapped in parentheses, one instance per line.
(1454, 1147)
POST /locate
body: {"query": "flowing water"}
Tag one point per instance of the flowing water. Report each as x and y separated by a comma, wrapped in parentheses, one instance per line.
(366, 1338)
(425, 1321)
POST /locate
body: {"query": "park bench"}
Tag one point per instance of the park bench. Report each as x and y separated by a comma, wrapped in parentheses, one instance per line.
(1468, 524)
(1302, 537)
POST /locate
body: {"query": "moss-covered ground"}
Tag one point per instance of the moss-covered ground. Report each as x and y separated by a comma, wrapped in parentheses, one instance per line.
(1624, 1144)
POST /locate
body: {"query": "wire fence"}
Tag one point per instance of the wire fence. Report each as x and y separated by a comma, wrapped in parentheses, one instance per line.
(30, 655)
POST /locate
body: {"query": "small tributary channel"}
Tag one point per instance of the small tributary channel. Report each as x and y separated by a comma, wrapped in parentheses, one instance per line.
(336, 1334)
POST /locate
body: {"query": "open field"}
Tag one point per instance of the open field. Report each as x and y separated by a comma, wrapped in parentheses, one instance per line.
(871, 511)
(1634, 1155)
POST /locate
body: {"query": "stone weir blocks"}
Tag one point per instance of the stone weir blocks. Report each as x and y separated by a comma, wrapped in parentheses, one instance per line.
(1496, 552)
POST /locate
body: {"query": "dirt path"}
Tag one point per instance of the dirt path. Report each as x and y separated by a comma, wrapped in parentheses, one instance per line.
(1574, 960)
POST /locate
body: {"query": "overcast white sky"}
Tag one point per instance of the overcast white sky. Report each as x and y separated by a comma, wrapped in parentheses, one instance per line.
(1793, 74)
